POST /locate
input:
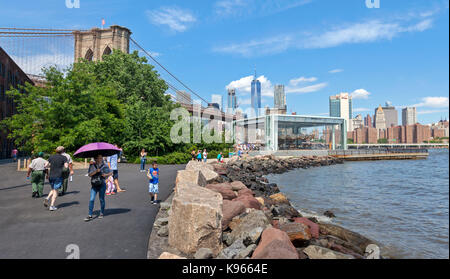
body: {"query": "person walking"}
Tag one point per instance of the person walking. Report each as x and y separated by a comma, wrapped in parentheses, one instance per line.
(98, 172)
(143, 159)
(37, 170)
(14, 153)
(56, 163)
(153, 176)
(67, 172)
(205, 155)
(199, 156)
(112, 164)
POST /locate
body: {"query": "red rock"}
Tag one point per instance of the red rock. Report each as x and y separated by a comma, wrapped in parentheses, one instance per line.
(275, 244)
(313, 227)
(249, 201)
(275, 224)
(224, 189)
(298, 233)
(246, 191)
(231, 209)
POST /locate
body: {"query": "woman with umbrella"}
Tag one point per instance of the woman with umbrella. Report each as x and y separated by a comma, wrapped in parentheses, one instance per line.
(98, 172)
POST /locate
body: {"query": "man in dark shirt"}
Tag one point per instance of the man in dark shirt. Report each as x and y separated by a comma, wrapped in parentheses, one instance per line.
(57, 163)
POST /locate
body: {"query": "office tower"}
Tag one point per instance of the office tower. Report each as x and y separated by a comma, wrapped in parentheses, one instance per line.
(390, 115)
(357, 122)
(217, 99)
(279, 97)
(341, 106)
(368, 121)
(409, 116)
(380, 119)
(256, 96)
(232, 101)
(184, 97)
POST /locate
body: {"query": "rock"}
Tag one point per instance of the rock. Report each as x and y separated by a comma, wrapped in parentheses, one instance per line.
(354, 238)
(163, 231)
(246, 252)
(230, 209)
(246, 191)
(224, 189)
(317, 252)
(253, 236)
(196, 220)
(285, 210)
(234, 222)
(248, 201)
(279, 198)
(161, 222)
(195, 165)
(247, 223)
(188, 178)
(301, 255)
(164, 206)
(313, 227)
(169, 256)
(329, 214)
(237, 185)
(206, 169)
(275, 244)
(232, 251)
(203, 253)
(298, 233)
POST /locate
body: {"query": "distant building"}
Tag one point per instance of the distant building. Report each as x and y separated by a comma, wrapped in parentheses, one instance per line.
(409, 116)
(365, 135)
(11, 75)
(341, 106)
(368, 121)
(256, 96)
(390, 115)
(184, 97)
(380, 120)
(279, 98)
(357, 122)
(232, 101)
(217, 99)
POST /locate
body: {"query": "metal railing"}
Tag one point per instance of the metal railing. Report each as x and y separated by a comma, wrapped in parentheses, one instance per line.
(377, 151)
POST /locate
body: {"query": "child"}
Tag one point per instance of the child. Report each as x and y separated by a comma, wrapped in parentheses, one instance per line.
(220, 158)
(153, 175)
(199, 156)
(110, 186)
(205, 155)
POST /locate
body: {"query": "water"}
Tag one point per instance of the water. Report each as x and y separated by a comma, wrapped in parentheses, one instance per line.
(403, 205)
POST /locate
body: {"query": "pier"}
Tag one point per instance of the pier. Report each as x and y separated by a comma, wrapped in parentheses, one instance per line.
(380, 154)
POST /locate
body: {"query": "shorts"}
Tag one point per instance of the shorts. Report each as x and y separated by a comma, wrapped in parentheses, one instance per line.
(115, 174)
(56, 183)
(153, 188)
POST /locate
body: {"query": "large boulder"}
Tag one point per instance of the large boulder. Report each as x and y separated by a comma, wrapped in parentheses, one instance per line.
(298, 233)
(206, 169)
(313, 227)
(224, 189)
(247, 223)
(232, 251)
(246, 191)
(237, 185)
(249, 201)
(354, 238)
(279, 198)
(317, 252)
(189, 178)
(230, 209)
(169, 256)
(275, 244)
(196, 220)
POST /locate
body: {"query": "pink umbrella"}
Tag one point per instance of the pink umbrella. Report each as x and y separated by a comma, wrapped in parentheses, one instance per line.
(93, 149)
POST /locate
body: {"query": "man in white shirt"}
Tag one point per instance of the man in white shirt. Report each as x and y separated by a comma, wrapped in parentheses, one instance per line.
(37, 170)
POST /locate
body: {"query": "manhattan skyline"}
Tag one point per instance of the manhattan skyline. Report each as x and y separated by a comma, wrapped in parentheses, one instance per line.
(397, 53)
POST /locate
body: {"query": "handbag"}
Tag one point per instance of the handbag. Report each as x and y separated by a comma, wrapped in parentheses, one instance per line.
(96, 180)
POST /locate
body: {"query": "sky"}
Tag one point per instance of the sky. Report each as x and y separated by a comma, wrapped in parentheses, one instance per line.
(398, 52)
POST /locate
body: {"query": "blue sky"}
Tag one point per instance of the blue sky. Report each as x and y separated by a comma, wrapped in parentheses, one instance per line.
(398, 52)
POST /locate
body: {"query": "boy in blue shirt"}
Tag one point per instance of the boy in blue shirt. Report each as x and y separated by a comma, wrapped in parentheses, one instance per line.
(153, 175)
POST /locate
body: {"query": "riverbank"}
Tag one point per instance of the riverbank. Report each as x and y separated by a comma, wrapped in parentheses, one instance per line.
(231, 211)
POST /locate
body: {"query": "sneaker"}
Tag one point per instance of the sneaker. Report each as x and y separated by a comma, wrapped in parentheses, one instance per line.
(101, 216)
(45, 202)
(108, 194)
(89, 218)
(52, 208)
(34, 194)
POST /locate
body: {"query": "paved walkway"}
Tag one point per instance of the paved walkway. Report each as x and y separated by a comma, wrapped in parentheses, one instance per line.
(28, 230)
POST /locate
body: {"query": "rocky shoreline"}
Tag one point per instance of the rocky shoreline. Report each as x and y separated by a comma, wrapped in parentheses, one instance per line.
(231, 211)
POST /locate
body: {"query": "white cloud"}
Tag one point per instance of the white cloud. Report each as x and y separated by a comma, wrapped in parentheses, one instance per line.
(175, 18)
(307, 89)
(433, 102)
(431, 111)
(227, 8)
(355, 33)
(360, 94)
(335, 71)
(296, 81)
(243, 86)
(361, 109)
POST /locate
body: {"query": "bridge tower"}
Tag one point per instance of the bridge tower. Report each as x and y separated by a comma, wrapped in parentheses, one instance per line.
(93, 44)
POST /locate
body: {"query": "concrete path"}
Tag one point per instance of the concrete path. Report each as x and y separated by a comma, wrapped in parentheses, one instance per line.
(29, 231)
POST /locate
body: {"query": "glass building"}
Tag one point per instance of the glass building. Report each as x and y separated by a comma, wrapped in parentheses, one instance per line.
(256, 96)
(279, 97)
(232, 102)
(217, 99)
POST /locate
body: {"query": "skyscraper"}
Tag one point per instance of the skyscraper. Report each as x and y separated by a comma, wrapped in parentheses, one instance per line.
(279, 97)
(256, 96)
(409, 116)
(232, 102)
(217, 99)
(390, 115)
(380, 119)
(341, 106)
